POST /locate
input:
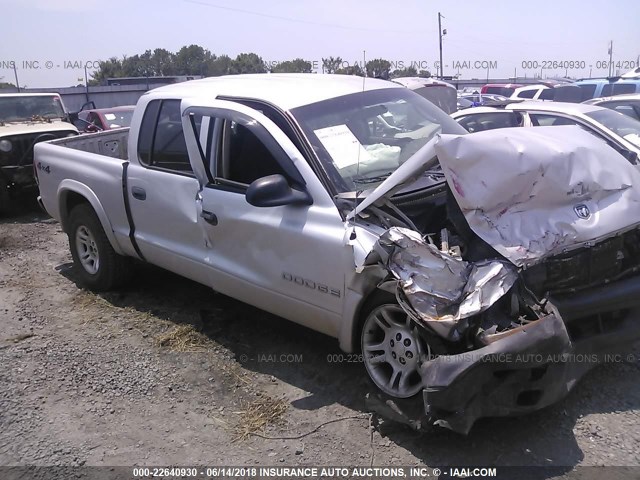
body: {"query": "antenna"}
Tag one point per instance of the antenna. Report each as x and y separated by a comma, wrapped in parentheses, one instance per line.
(364, 77)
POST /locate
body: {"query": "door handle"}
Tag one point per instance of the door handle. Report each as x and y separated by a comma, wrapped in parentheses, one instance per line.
(139, 193)
(209, 217)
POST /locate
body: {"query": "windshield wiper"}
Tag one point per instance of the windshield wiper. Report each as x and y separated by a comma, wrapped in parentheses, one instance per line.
(379, 178)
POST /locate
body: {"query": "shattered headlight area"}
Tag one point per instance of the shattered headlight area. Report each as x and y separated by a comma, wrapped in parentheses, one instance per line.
(437, 287)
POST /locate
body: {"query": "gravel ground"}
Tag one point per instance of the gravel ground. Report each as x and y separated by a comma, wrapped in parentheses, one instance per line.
(100, 380)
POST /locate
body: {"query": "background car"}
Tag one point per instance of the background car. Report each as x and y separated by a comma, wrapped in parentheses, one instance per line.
(606, 87)
(533, 92)
(505, 89)
(463, 103)
(26, 119)
(441, 94)
(482, 99)
(97, 120)
(627, 104)
(618, 130)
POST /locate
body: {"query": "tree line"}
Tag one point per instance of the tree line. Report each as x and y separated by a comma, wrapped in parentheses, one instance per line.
(196, 60)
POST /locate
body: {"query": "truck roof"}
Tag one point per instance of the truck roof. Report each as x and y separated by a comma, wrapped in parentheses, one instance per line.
(285, 90)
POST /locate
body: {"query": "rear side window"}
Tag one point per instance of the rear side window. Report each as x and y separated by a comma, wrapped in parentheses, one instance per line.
(507, 92)
(527, 94)
(617, 89)
(547, 94)
(148, 126)
(490, 121)
(543, 120)
(622, 88)
(588, 91)
(161, 143)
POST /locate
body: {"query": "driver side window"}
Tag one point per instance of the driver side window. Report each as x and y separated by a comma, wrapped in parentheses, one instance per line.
(244, 158)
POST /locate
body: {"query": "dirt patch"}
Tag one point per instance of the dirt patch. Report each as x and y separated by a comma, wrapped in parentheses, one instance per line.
(184, 338)
(257, 415)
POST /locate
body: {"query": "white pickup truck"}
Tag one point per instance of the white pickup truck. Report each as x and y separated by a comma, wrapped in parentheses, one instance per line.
(470, 269)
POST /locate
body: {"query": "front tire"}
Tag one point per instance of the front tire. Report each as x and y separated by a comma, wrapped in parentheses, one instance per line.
(392, 349)
(97, 264)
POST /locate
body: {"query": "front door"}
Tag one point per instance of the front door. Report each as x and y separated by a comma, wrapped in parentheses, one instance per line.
(289, 260)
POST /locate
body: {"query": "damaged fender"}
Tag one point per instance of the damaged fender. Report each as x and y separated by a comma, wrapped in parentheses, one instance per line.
(439, 289)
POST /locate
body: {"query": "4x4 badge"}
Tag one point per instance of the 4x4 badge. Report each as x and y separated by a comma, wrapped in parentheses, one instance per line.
(582, 211)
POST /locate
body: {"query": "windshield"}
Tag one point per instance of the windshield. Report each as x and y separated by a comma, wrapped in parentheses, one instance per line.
(23, 108)
(627, 127)
(363, 137)
(119, 118)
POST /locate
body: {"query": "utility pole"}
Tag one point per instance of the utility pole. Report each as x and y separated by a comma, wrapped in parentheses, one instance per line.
(442, 33)
(86, 83)
(610, 57)
(15, 72)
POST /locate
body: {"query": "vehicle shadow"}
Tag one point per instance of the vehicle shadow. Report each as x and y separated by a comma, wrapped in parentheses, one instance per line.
(312, 362)
(23, 208)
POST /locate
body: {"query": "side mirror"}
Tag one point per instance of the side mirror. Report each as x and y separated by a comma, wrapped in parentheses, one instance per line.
(91, 128)
(274, 191)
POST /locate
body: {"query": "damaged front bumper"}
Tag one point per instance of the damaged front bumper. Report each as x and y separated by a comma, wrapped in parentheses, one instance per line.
(524, 369)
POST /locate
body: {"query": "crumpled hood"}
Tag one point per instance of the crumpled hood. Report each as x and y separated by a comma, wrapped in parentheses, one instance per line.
(25, 128)
(535, 192)
(529, 192)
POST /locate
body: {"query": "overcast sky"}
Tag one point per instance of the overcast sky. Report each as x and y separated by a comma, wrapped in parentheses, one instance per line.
(507, 33)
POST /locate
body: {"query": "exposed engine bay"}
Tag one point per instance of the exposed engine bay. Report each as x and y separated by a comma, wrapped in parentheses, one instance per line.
(501, 272)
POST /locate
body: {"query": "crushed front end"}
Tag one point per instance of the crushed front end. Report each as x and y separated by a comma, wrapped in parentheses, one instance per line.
(530, 280)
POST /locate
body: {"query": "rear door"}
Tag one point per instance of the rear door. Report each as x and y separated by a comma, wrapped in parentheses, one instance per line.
(162, 189)
(290, 259)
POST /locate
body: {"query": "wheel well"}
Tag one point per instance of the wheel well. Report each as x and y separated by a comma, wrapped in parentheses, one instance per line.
(69, 201)
(374, 298)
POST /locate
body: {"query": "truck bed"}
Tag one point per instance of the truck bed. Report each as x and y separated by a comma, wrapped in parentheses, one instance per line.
(110, 143)
(92, 166)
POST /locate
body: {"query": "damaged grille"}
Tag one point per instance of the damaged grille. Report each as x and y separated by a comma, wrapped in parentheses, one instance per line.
(606, 261)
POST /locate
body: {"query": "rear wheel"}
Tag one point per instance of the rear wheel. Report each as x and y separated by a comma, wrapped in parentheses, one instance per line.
(97, 264)
(393, 349)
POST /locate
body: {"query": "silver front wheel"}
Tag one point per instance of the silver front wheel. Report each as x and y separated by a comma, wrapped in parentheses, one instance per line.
(87, 250)
(392, 350)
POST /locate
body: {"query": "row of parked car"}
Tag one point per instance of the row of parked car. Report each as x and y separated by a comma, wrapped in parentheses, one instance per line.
(615, 118)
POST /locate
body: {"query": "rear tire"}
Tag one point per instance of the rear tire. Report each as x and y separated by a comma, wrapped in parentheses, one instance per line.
(97, 264)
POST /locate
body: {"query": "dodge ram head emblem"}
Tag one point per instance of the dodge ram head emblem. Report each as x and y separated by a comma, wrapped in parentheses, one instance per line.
(582, 211)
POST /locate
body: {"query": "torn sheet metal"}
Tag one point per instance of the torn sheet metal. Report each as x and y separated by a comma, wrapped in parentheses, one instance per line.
(536, 192)
(441, 289)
